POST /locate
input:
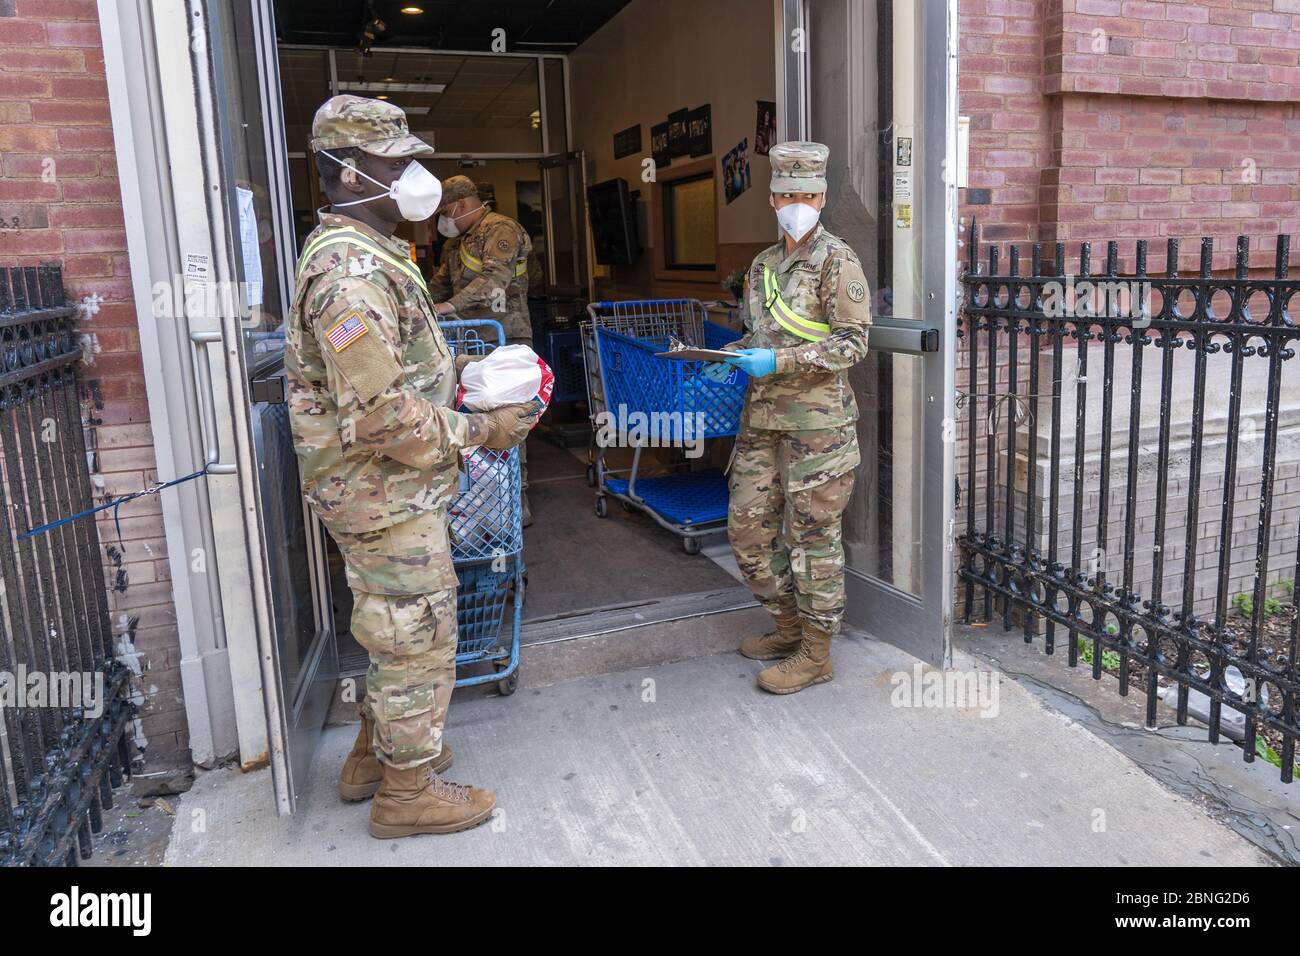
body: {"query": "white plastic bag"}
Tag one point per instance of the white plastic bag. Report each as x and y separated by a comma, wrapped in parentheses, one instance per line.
(509, 375)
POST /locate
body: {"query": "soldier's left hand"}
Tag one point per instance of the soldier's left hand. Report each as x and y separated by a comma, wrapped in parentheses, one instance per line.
(462, 360)
(756, 363)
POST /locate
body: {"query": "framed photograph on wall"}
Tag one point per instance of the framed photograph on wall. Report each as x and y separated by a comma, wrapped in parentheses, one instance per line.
(700, 130)
(627, 141)
(765, 127)
(659, 144)
(679, 134)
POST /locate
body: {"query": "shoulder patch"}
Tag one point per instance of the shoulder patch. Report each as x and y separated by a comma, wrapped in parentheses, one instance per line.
(856, 290)
(346, 331)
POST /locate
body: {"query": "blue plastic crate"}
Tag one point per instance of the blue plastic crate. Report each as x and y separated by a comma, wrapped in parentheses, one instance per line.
(561, 349)
(696, 498)
(673, 401)
(482, 596)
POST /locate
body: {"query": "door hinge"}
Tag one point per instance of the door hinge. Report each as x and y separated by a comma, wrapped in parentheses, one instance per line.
(269, 390)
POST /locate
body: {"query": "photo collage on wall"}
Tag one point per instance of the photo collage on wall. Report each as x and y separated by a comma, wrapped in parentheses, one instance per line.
(735, 171)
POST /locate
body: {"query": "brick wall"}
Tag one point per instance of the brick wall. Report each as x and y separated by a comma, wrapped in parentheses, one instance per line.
(60, 202)
(1126, 119)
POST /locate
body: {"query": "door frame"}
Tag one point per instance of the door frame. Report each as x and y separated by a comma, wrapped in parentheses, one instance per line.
(920, 625)
(160, 106)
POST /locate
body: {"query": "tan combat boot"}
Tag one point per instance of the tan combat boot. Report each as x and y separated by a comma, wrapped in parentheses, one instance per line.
(419, 801)
(810, 664)
(362, 772)
(777, 644)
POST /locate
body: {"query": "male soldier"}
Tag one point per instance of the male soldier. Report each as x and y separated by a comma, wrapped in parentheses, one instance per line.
(484, 274)
(370, 382)
(806, 318)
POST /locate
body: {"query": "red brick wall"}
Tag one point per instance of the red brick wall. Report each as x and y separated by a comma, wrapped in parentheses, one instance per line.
(60, 202)
(1126, 119)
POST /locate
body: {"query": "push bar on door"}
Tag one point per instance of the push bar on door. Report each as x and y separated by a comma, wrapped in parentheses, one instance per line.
(901, 338)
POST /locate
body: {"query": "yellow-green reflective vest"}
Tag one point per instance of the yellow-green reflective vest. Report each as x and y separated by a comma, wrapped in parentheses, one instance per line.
(787, 317)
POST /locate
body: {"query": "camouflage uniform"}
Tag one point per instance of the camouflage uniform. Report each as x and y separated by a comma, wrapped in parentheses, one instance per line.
(491, 255)
(792, 470)
(370, 384)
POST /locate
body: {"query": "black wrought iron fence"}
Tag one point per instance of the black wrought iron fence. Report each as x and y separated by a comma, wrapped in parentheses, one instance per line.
(63, 744)
(1132, 476)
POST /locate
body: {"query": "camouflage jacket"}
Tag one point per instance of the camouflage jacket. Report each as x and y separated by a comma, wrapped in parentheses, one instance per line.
(370, 382)
(491, 256)
(821, 281)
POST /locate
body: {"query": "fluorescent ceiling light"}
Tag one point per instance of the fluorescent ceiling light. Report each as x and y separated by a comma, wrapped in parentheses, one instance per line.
(360, 86)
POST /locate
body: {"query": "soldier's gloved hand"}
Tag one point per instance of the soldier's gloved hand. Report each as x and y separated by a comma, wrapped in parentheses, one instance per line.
(463, 360)
(509, 425)
(756, 363)
(717, 372)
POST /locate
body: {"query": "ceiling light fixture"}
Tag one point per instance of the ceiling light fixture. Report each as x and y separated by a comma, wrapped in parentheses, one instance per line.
(413, 11)
(374, 86)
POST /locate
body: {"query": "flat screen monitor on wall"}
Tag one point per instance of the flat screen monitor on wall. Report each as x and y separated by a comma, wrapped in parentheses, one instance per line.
(614, 223)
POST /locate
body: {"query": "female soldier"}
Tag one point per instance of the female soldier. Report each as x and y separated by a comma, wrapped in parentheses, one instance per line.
(806, 317)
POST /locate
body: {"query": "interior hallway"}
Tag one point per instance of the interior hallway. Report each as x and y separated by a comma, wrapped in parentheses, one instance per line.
(689, 763)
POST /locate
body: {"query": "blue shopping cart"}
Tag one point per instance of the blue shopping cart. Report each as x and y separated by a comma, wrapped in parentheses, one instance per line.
(487, 540)
(638, 400)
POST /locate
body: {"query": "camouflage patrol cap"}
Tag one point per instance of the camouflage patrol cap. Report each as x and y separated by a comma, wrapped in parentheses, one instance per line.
(373, 126)
(455, 188)
(799, 167)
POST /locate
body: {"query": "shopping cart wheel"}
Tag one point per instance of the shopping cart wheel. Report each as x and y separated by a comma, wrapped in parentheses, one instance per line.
(591, 476)
(692, 545)
(602, 506)
(507, 685)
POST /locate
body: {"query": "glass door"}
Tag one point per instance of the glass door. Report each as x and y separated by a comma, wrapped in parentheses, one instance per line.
(260, 217)
(564, 205)
(875, 81)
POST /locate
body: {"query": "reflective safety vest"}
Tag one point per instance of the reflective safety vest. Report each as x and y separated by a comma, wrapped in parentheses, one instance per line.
(476, 265)
(346, 234)
(786, 317)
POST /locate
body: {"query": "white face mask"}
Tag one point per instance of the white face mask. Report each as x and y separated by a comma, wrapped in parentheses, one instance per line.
(447, 224)
(417, 191)
(797, 218)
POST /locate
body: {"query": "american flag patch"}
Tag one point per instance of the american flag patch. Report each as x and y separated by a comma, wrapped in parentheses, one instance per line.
(346, 332)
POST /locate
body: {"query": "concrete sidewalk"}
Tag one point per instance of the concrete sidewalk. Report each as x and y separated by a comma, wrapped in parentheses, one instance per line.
(689, 763)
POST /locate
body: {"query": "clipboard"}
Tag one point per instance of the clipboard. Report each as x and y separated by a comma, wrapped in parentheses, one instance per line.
(691, 354)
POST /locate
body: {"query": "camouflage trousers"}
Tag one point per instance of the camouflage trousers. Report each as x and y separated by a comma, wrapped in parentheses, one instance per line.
(788, 494)
(404, 615)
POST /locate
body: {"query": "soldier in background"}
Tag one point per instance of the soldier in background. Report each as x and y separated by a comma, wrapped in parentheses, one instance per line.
(806, 316)
(370, 385)
(484, 274)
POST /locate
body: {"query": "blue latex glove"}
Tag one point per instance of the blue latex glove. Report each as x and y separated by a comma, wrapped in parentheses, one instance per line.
(756, 363)
(717, 372)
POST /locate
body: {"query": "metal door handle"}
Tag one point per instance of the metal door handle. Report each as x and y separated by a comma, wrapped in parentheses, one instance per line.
(212, 460)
